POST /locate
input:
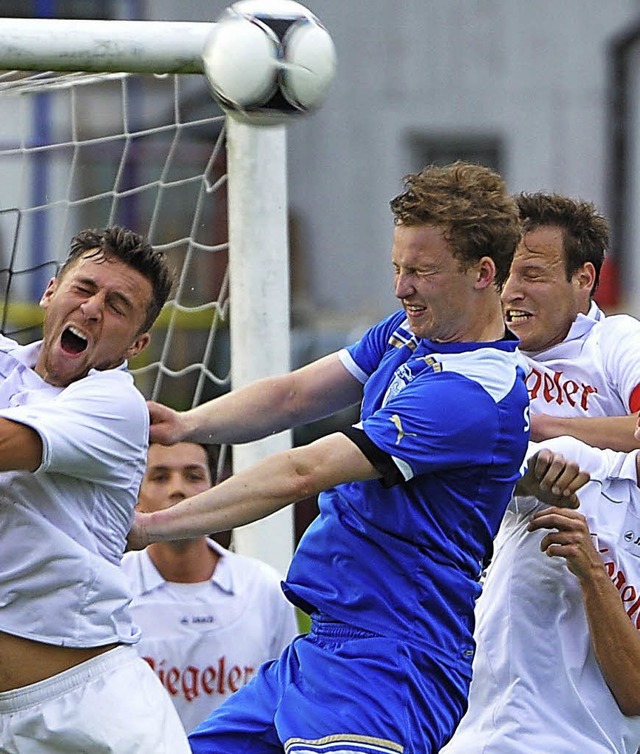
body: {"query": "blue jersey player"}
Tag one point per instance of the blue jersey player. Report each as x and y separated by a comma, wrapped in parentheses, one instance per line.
(410, 497)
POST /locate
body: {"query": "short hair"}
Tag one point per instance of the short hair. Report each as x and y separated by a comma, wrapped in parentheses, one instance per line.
(585, 231)
(134, 250)
(471, 204)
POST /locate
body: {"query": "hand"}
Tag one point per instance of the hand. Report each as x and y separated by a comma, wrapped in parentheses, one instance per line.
(552, 479)
(138, 539)
(570, 540)
(166, 424)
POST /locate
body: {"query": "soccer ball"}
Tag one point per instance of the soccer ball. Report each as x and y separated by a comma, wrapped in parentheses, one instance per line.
(268, 60)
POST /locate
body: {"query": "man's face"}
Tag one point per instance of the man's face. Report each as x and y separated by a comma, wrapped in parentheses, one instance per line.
(435, 291)
(538, 301)
(93, 315)
(173, 474)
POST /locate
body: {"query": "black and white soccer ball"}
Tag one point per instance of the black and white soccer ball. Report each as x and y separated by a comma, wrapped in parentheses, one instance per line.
(269, 60)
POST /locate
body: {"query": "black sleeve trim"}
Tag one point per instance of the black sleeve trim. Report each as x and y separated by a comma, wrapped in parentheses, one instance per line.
(380, 460)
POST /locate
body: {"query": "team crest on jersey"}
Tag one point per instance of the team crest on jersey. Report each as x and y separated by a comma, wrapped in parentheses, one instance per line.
(407, 372)
(631, 534)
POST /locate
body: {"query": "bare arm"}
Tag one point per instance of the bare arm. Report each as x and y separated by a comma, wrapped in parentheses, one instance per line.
(258, 491)
(262, 408)
(615, 640)
(20, 447)
(615, 432)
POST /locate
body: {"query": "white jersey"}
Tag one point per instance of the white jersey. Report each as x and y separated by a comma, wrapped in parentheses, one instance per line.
(592, 372)
(540, 687)
(64, 527)
(206, 640)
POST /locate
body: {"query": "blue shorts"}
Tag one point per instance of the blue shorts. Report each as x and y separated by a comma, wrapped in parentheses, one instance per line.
(339, 689)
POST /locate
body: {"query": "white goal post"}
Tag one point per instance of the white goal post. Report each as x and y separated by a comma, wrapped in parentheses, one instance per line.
(53, 56)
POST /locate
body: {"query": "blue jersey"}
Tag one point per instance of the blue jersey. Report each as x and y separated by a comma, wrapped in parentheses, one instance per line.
(404, 561)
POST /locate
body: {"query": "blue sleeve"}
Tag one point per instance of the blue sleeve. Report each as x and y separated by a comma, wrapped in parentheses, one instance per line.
(435, 424)
(367, 352)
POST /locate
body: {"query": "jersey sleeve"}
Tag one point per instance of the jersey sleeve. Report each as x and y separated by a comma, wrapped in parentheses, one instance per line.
(95, 429)
(600, 464)
(434, 425)
(619, 341)
(362, 358)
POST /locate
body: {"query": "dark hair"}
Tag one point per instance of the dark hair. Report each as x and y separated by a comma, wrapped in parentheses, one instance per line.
(585, 231)
(471, 204)
(132, 249)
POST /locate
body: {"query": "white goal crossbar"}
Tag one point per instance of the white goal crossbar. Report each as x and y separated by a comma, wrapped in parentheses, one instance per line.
(256, 195)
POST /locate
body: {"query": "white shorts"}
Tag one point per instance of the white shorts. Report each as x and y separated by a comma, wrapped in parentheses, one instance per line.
(112, 704)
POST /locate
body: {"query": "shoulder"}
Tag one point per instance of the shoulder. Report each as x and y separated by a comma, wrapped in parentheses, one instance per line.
(131, 564)
(7, 344)
(494, 370)
(616, 325)
(111, 387)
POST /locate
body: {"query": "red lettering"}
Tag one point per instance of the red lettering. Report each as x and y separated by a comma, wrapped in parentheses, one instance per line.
(208, 679)
(172, 680)
(537, 379)
(570, 389)
(628, 592)
(550, 385)
(556, 389)
(619, 581)
(235, 674)
(588, 390)
(221, 675)
(190, 682)
(633, 607)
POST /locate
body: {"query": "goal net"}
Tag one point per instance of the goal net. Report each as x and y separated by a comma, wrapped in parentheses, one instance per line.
(88, 140)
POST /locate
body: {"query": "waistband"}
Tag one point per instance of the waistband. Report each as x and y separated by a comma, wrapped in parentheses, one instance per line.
(62, 683)
(323, 625)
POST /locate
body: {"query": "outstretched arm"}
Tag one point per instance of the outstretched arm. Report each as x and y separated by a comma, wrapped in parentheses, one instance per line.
(615, 640)
(615, 432)
(261, 408)
(262, 489)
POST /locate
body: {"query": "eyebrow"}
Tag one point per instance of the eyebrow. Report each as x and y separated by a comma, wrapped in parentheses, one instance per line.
(88, 281)
(188, 467)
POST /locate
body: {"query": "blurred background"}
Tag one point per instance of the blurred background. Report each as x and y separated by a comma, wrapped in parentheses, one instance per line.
(546, 92)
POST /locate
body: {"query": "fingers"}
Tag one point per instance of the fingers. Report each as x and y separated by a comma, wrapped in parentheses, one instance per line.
(569, 538)
(559, 476)
(163, 428)
(570, 529)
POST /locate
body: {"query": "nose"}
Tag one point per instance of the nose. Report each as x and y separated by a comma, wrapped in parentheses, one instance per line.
(511, 290)
(93, 306)
(403, 286)
(176, 487)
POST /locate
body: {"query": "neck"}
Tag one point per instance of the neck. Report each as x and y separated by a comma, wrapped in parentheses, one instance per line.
(486, 326)
(186, 561)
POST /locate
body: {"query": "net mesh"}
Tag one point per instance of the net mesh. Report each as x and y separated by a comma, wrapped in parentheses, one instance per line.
(146, 152)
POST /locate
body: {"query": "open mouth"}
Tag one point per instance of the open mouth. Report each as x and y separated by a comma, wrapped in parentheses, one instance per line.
(516, 317)
(73, 341)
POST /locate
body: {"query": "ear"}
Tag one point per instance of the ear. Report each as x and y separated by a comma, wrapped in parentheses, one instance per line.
(138, 345)
(585, 277)
(48, 293)
(485, 272)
